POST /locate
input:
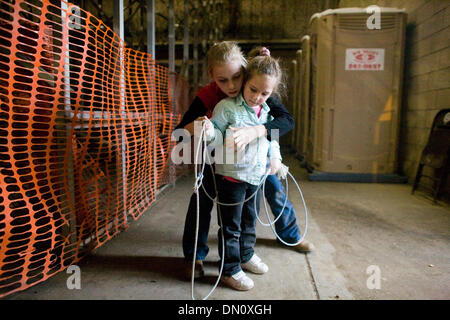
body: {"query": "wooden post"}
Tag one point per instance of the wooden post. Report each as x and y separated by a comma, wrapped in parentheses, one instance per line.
(294, 99)
(298, 128)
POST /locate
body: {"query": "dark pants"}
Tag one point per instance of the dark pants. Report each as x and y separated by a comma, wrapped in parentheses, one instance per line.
(206, 206)
(286, 225)
(238, 223)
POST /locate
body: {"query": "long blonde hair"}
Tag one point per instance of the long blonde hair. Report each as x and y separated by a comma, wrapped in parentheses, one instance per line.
(224, 52)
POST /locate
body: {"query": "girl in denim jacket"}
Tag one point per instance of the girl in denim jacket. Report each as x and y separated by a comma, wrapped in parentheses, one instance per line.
(238, 180)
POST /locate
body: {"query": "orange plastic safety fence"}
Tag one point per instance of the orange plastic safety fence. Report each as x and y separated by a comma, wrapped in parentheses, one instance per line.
(85, 128)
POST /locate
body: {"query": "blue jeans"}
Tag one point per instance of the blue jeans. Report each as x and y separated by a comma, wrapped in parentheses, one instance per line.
(206, 206)
(238, 223)
(286, 226)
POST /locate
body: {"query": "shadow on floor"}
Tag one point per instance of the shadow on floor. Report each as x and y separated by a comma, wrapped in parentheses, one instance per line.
(166, 267)
(275, 244)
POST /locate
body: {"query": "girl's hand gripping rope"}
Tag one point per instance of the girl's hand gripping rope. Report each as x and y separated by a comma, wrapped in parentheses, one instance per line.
(275, 165)
(209, 128)
(282, 173)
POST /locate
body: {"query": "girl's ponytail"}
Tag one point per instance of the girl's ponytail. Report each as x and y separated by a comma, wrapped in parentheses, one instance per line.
(258, 51)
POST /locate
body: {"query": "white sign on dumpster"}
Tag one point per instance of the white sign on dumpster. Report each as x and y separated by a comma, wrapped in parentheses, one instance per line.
(364, 59)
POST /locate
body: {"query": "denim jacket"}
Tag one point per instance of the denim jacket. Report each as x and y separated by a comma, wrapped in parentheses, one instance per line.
(250, 165)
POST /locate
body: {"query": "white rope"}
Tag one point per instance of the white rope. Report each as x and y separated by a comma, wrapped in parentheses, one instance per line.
(199, 182)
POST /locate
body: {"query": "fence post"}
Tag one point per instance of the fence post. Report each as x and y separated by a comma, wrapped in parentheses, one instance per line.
(185, 69)
(171, 36)
(118, 22)
(69, 114)
(151, 28)
(195, 50)
(151, 40)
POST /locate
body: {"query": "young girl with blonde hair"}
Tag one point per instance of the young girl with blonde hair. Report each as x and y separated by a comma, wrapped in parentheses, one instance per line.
(226, 67)
(239, 181)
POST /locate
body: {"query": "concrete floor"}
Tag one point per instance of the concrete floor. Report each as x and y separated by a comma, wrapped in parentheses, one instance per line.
(353, 226)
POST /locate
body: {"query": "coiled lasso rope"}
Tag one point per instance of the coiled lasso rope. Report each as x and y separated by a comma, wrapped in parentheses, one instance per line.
(199, 183)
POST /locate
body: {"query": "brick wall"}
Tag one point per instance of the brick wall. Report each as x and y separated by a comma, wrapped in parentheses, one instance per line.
(426, 77)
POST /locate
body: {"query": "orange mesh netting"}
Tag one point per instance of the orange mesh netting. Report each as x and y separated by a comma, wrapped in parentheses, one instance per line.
(85, 128)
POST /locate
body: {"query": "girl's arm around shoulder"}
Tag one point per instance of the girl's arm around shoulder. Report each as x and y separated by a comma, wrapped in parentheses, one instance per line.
(274, 156)
(274, 150)
(282, 121)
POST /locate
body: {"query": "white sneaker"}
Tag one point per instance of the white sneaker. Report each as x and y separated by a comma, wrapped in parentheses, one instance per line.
(238, 281)
(255, 265)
